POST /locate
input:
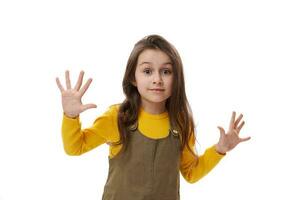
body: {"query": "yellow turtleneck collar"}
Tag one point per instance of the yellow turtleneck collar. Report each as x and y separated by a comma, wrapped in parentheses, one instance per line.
(154, 126)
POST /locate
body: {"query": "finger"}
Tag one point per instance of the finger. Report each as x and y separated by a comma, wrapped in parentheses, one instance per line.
(79, 80)
(244, 139)
(85, 87)
(88, 106)
(240, 126)
(68, 83)
(222, 131)
(238, 120)
(59, 84)
(231, 126)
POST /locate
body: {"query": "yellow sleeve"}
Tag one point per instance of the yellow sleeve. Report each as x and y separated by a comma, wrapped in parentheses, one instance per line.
(191, 172)
(78, 141)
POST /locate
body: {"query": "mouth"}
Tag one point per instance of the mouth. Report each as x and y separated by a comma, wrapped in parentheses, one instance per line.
(157, 90)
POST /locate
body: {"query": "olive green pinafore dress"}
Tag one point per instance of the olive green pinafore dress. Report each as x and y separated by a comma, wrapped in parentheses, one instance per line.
(147, 170)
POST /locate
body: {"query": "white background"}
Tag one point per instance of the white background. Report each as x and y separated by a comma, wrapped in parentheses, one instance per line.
(237, 55)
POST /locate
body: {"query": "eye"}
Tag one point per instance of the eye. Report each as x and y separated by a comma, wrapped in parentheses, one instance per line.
(166, 71)
(147, 71)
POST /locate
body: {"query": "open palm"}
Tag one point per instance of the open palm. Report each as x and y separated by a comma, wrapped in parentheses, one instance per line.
(229, 140)
(71, 97)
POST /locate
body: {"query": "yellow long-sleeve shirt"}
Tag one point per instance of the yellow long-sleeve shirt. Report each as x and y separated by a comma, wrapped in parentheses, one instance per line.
(105, 130)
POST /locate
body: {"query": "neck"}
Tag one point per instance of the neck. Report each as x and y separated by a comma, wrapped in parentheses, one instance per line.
(153, 108)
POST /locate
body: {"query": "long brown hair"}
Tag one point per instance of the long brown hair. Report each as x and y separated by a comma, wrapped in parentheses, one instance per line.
(178, 108)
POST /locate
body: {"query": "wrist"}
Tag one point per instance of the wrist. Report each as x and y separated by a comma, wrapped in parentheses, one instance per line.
(219, 150)
(71, 116)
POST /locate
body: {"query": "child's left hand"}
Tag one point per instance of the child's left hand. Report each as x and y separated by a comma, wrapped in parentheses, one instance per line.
(229, 140)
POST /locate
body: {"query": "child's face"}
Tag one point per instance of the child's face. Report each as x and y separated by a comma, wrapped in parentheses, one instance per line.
(154, 71)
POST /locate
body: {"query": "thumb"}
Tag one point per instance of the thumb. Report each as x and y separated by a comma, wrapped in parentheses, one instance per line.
(221, 130)
(88, 106)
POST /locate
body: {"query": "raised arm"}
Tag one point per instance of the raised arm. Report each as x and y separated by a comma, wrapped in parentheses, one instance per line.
(76, 140)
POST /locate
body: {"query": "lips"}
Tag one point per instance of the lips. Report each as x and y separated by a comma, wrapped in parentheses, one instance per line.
(157, 89)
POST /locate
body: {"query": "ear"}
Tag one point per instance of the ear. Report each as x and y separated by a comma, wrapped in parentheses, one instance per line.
(134, 83)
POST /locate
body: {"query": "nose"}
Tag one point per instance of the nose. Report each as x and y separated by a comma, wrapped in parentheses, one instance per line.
(157, 79)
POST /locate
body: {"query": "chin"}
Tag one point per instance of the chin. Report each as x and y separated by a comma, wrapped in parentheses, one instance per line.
(156, 100)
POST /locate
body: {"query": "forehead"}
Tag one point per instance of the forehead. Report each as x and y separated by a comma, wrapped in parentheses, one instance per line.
(153, 56)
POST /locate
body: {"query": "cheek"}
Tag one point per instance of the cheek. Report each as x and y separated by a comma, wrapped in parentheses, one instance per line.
(141, 83)
(137, 79)
(170, 82)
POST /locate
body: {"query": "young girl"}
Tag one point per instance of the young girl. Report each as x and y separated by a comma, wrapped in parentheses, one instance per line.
(151, 133)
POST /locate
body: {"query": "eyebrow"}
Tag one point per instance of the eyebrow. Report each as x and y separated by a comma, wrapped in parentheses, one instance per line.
(151, 63)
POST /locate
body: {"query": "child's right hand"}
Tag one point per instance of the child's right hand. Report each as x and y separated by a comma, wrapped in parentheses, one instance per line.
(71, 97)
